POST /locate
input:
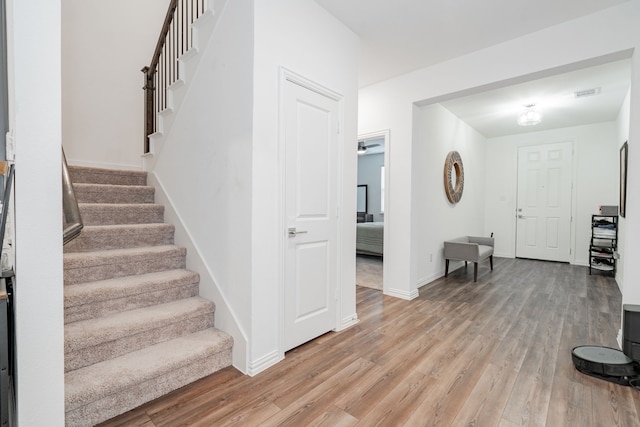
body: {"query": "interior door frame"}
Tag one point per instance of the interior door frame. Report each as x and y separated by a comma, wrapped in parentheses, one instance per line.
(287, 75)
(384, 133)
(573, 204)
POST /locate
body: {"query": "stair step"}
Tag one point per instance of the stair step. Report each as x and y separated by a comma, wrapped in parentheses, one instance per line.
(111, 214)
(104, 390)
(101, 298)
(100, 265)
(92, 341)
(104, 237)
(108, 193)
(88, 175)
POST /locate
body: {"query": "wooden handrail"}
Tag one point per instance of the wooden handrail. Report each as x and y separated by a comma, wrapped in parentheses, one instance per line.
(163, 35)
(175, 39)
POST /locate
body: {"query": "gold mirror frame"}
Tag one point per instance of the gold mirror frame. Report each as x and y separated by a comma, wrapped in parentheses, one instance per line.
(453, 164)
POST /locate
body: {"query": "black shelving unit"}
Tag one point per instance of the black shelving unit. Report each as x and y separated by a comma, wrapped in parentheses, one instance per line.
(604, 243)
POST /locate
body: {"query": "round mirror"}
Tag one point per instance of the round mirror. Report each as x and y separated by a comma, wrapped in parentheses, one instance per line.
(453, 177)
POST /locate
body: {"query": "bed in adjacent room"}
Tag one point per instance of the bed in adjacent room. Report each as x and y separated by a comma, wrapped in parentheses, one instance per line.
(370, 238)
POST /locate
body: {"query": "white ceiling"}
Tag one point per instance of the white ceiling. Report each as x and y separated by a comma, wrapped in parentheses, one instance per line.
(400, 36)
(404, 35)
(494, 113)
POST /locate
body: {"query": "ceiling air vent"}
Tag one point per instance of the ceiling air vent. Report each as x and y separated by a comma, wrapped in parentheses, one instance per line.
(587, 92)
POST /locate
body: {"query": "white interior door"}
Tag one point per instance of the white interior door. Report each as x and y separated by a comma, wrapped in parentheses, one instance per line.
(544, 202)
(311, 142)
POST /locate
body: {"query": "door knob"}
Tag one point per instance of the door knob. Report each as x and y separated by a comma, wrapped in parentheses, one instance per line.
(292, 232)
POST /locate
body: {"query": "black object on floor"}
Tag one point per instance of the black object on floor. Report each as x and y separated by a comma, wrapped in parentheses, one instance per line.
(610, 364)
(606, 363)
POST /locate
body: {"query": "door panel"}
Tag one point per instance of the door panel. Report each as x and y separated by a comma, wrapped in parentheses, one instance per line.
(311, 139)
(544, 202)
(553, 233)
(312, 284)
(312, 171)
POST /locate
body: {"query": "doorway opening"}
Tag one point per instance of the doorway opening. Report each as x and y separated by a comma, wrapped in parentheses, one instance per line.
(372, 208)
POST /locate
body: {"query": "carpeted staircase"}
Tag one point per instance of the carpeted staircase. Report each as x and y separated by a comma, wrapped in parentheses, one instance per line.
(135, 327)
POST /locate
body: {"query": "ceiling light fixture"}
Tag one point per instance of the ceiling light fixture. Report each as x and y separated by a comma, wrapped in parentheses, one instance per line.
(530, 116)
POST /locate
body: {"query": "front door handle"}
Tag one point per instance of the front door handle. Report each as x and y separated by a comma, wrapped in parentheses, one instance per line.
(292, 232)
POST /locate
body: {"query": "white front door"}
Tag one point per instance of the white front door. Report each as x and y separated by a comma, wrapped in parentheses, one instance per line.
(544, 202)
(311, 204)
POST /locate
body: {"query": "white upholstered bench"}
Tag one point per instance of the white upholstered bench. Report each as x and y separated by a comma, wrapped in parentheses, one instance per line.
(468, 249)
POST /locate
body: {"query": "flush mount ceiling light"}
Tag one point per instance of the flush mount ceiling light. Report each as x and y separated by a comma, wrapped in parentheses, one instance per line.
(529, 117)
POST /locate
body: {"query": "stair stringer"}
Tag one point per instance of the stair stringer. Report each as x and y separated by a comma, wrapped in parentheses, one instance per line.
(203, 28)
(226, 318)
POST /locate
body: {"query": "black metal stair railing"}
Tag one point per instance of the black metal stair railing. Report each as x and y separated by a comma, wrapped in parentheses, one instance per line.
(71, 220)
(175, 39)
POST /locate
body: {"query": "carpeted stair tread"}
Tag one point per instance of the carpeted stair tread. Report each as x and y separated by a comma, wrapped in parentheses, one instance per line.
(90, 332)
(82, 174)
(120, 213)
(121, 236)
(135, 327)
(92, 299)
(101, 391)
(109, 193)
(86, 385)
(95, 340)
(100, 265)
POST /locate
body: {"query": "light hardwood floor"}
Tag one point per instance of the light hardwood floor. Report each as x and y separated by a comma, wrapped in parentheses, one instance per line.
(369, 271)
(492, 353)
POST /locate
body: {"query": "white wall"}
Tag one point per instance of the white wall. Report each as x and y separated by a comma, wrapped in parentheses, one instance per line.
(105, 44)
(36, 92)
(302, 37)
(595, 182)
(204, 172)
(220, 167)
(622, 123)
(369, 175)
(631, 284)
(434, 219)
(606, 35)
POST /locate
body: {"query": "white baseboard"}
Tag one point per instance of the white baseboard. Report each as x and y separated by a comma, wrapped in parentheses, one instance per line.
(428, 279)
(401, 293)
(503, 255)
(580, 262)
(268, 360)
(348, 321)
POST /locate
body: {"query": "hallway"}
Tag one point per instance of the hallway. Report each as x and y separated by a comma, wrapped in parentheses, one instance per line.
(495, 352)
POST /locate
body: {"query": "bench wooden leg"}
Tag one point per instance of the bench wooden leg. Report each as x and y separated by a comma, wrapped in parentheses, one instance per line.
(475, 271)
(446, 267)
(491, 261)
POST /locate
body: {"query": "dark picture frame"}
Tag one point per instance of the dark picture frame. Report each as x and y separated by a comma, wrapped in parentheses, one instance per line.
(624, 152)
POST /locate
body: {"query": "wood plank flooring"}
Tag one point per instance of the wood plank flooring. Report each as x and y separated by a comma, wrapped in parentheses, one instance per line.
(492, 353)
